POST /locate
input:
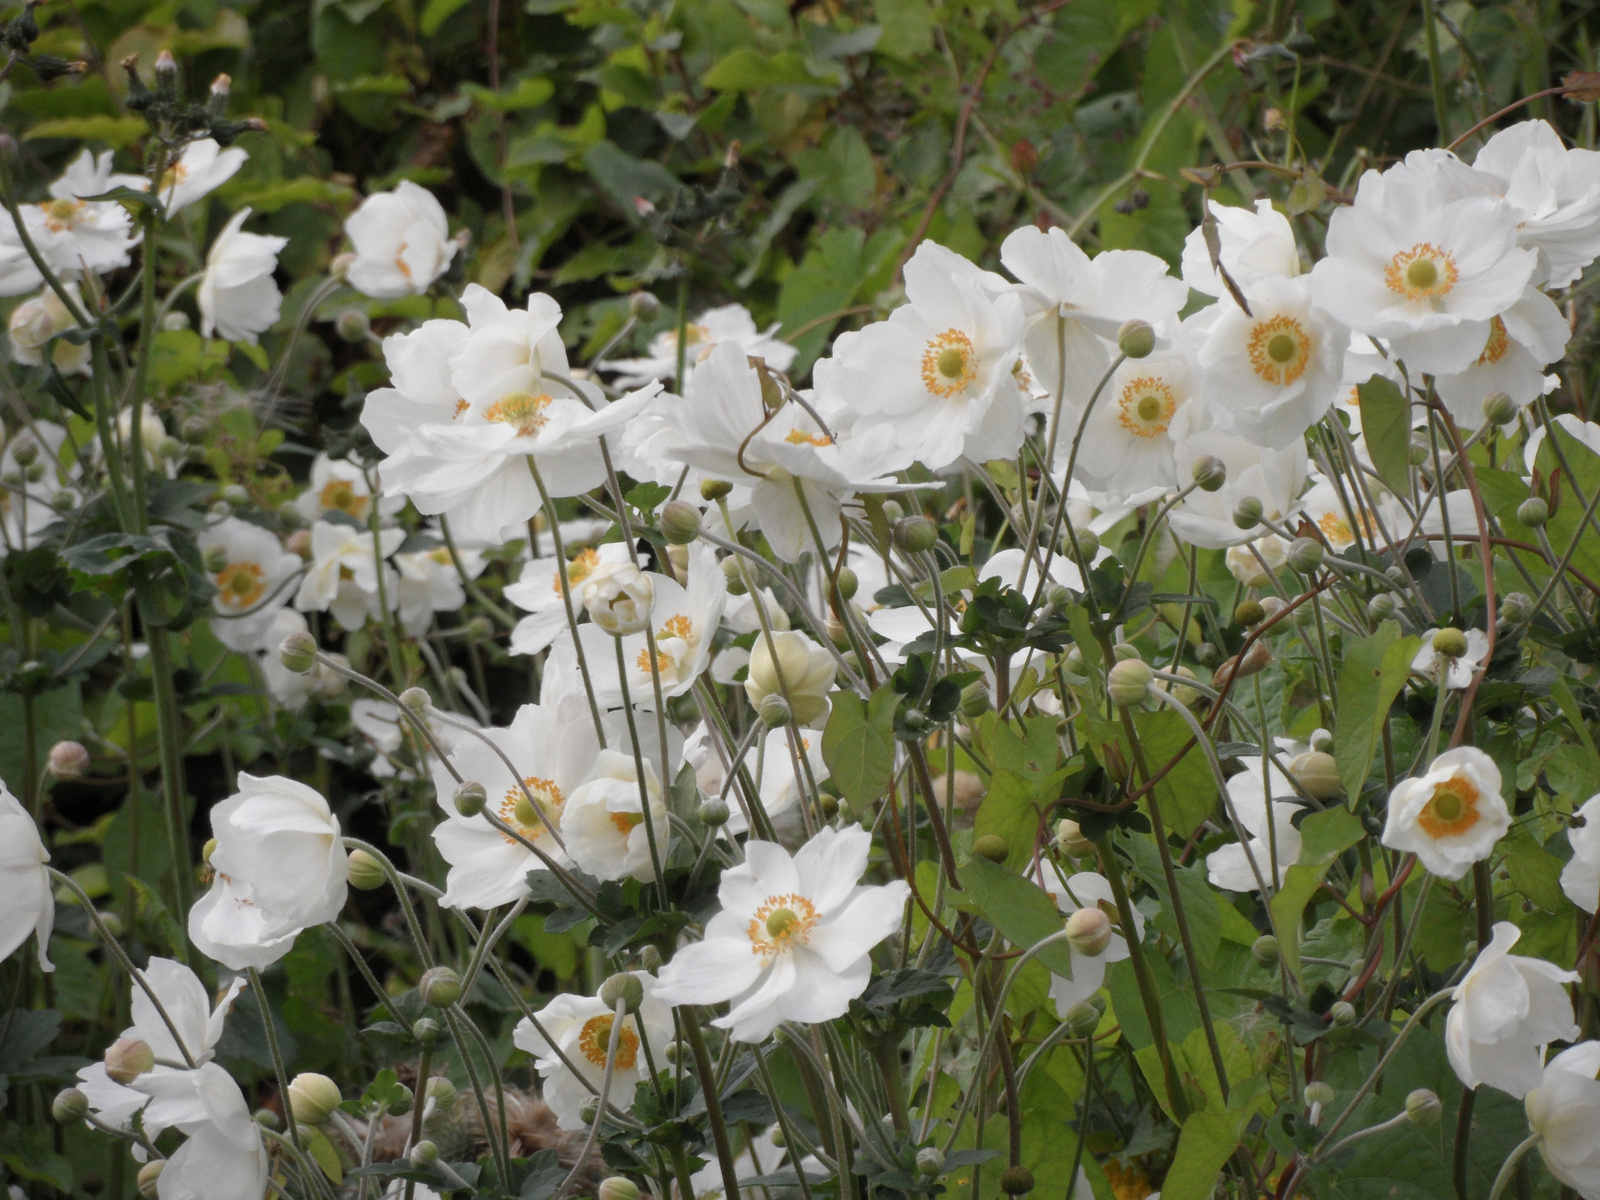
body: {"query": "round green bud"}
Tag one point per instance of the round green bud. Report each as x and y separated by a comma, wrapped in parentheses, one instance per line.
(1515, 608)
(426, 1031)
(1450, 642)
(1082, 1018)
(298, 652)
(930, 1162)
(1070, 839)
(1318, 772)
(1306, 555)
(470, 798)
(149, 1179)
(915, 535)
(650, 958)
(1136, 339)
(416, 699)
(236, 495)
(643, 305)
(1499, 408)
(127, 1059)
(403, 1099)
(440, 1092)
(1248, 512)
(1089, 931)
(975, 700)
(992, 846)
(849, 584)
(1423, 1108)
(353, 325)
(1533, 512)
(221, 508)
(267, 1119)
(439, 987)
(1342, 1013)
(1122, 651)
(1383, 606)
(1249, 613)
(313, 1097)
(617, 1188)
(1265, 950)
(733, 573)
(1129, 682)
(714, 813)
(680, 522)
(63, 501)
(774, 711)
(169, 448)
(69, 1107)
(1088, 543)
(24, 453)
(423, 1155)
(1210, 473)
(712, 490)
(776, 1136)
(175, 322)
(828, 806)
(1059, 596)
(366, 872)
(1016, 1181)
(1207, 654)
(623, 989)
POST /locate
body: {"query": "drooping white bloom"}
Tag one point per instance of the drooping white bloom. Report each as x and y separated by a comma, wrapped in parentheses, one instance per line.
(224, 1157)
(1127, 447)
(1271, 373)
(1274, 477)
(731, 324)
(935, 381)
(201, 169)
(538, 592)
(1407, 263)
(1455, 673)
(238, 298)
(1580, 878)
(793, 939)
(280, 867)
(1252, 244)
(251, 571)
(1522, 341)
(402, 242)
(1556, 192)
(1451, 817)
(1230, 866)
(1564, 1110)
(34, 322)
(580, 1028)
(487, 867)
(1507, 1010)
(27, 904)
(605, 822)
(73, 236)
(1074, 305)
(1086, 889)
(343, 575)
(780, 783)
(793, 666)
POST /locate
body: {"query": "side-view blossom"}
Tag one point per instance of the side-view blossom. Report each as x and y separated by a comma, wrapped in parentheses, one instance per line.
(1243, 866)
(280, 867)
(201, 169)
(731, 323)
(251, 571)
(402, 242)
(1251, 244)
(27, 904)
(343, 575)
(238, 298)
(1556, 192)
(605, 823)
(34, 322)
(794, 936)
(224, 1156)
(1564, 1110)
(794, 667)
(1506, 1010)
(1580, 878)
(1452, 816)
(579, 1027)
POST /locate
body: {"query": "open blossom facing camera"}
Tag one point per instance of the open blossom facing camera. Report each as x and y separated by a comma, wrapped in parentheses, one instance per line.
(27, 904)
(238, 298)
(1451, 817)
(580, 1028)
(1564, 1110)
(794, 938)
(251, 571)
(402, 242)
(731, 324)
(1507, 1010)
(280, 867)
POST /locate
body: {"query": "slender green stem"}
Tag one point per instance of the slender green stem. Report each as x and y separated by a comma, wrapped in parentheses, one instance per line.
(690, 1027)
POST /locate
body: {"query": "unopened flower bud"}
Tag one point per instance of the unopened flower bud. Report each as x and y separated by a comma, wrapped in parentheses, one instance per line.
(1342, 1013)
(1135, 339)
(774, 711)
(313, 1097)
(930, 1162)
(624, 989)
(1129, 682)
(149, 1178)
(617, 1188)
(1317, 772)
(63, 501)
(439, 987)
(69, 1107)
(992, 846)
(650, 958)
(1016, 1181)
(1306, 555)
(267, 1119)
(127, 1059)
(1089, 931)
(1515, 608)
(1533, 512)
(1383, 606)
(470, 797)
(1423, 1108)
(589, 1109)
(1070, 838)
(1265, 950)
(34, 473)
(1450, 642)
(733, 574)
(1210, 473)
(1320, 1093)
(643, 305)
(68, 760)
(1248, 512)
(423, 1155)
(712, 490)
(25, 452)
(169, 448)
(714, 813)
(848, 583)
(1082, 1018)
(1249, 613)
(400, 1103)
(416, 699)
(440, 1091)
(1499, 408)
(915, 535)
(975, 699)
(298, 652)
(426, 1031)
(680, 522)
(1087, 540)
(353, 325)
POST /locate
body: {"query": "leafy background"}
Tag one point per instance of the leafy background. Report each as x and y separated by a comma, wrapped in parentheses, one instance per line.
(854, 129)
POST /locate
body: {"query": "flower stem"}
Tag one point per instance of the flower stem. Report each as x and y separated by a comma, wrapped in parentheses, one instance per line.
(1509, 1167)
(690, 1026)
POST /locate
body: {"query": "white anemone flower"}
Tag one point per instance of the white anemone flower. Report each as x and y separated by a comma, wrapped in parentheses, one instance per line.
(794, 937)
(489, 867)
(27, 903)
(429, 581)
(580, 1028)
(1073, 307)
(238, 298)
(731, 324)
(1453, 673)
(1507, 1010)
(93, 174)
(538, 593)
(1452, 816)
(1271, 373)
(605, 822)
(1339, 522)
(1522, 341)
(339, 485)
(936, 382)
(201, 169)
(1252, 244)
(1556, 192)
(74, 237)
(1127, 447)
(37, 320)
(280, 867)
(1580, 878)
(224, 1157)
(1230, 866)
(780, 781)
(251, 571)
(1255, 563)
(343, 575)
(1424, 271)
(1275, 477)
(1564, 1110)
(402, 242)
(1085, 889)
(422, 393)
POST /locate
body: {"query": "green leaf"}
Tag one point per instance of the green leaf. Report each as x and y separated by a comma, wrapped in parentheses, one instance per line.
(747, 71)
(1371, 676)
(1386, 421)
(1009, 810)
(1204, 1146)
(1534, 871)
(907, 27)
(1019, 908)
(322, 1152)
(437, 13)
(1188, 792)
(305, 189)
(1325, 835)
(858, 744)
(115, 132)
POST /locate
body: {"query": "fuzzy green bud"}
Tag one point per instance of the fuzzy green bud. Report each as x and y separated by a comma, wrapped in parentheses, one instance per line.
(366, 872)
(1450, 642)
(993, 847)
(1515, 608)
(1089, 931)
(1306, 555)
(440, 1092)
(617, 1188)
(644, 305)
(1265, 950)
(416, 699)
(69, 1107)
(624, 989)
(733, 573)
(712, 490)
(313, 1097)
(127, 1059)
(1533, 512)
(1016, 1181)
(849, 584)
(930, 1162)
(426, 1031)
(423, 1155)
(714, 813)
(1248, 512)
(1210, 473)
(1129, 682)
(680, 522)
(1249, 613)
(915, 535)
(470, 798)
(1342, 1013)
(1499, 408)
(439, 987)
(298, 652)
(774, 711)
(1382, 607)
(1423, 1108)
(1136, 339)
(1082, 1018)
